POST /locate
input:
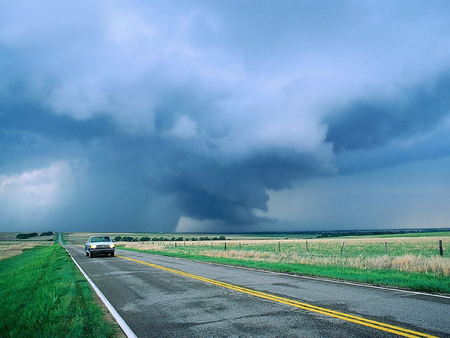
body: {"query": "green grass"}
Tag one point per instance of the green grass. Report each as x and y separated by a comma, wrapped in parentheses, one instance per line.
(44, 295)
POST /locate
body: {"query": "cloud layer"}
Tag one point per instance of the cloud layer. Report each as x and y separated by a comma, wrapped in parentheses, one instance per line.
(155, 116)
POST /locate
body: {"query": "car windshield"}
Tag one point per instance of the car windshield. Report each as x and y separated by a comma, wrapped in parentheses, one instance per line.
(101, 239)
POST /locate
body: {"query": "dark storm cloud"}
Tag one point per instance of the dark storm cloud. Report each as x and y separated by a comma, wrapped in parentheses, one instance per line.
(367, 124)
(200, 186)
(31, 136)
(209, 190)
(433, 146)
(30, 117)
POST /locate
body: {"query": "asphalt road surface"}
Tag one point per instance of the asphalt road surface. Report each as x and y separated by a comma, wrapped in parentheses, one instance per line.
(208, 300)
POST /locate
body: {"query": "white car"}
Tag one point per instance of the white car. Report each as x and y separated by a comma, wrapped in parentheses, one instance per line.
(99, 245)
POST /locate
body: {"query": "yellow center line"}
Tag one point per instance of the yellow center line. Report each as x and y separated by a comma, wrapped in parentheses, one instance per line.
(308, 307)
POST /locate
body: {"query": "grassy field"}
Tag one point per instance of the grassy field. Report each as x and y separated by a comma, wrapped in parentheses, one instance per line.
(410, 261)
(44, 295)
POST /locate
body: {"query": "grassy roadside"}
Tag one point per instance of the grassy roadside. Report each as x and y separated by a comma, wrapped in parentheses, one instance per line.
(44, 295)
(417, 281)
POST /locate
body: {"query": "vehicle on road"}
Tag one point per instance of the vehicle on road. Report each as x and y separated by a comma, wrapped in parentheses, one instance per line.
(99, 245)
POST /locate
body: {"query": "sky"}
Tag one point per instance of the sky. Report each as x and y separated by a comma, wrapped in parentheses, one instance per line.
(224, 116)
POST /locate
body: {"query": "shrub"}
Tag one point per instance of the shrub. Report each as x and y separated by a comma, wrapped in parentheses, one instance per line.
(128, 239)
(25, 236)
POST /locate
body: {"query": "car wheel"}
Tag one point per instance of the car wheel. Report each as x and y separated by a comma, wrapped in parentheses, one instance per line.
(87, 254)
(112, 254)
(91, 254)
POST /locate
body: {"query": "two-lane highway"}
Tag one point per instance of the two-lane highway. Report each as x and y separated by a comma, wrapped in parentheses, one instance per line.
(168, 297)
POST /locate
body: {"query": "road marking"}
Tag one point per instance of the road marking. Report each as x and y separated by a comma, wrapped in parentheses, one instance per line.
(308, 307)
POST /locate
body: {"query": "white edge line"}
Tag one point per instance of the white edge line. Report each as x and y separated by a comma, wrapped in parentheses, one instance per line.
(124, 326)
(329, 280)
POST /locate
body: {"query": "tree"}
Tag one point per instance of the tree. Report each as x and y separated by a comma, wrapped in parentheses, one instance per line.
(25, 236)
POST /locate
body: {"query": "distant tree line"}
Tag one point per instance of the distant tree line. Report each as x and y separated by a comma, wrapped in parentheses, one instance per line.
(166, 239)
(343, 233)
(340, 233)
(34, 234)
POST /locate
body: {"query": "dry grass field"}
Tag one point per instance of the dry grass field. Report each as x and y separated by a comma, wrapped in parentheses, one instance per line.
(8, 249)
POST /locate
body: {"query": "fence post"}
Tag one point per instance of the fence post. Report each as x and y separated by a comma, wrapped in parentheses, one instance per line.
(342, 248)
(211, 245)
(441, 249)
(307, 249)
(239, 245)
(225, 246)
(175, 244)
(385, 246)
(279, 249)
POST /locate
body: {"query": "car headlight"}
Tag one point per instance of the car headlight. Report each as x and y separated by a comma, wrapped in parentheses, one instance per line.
(93, 246)
(112, 246)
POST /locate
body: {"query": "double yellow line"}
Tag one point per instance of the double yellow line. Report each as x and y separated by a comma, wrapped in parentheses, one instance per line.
(308, 307)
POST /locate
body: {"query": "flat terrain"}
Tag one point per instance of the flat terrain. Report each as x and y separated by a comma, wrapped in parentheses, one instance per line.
(158, 303)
